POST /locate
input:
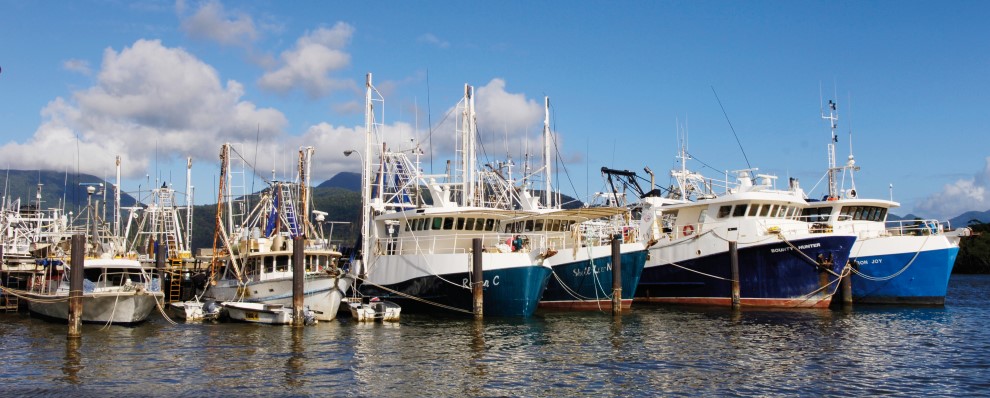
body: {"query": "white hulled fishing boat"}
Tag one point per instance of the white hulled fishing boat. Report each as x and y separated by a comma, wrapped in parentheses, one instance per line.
(116, 289)
(253, 262)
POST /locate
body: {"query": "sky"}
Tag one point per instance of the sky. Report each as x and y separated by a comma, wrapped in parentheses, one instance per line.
(155, 82)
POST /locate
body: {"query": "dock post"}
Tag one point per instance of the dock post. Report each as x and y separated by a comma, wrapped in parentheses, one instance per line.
(847, 290)
(76, 276)
(298, 273)
(734, 264)
(616, 275)
(477, 279)
(160, 269)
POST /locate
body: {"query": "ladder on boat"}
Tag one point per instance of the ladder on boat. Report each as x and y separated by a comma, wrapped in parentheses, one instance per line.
(287, 204)
(168, 222)
(175, 284)
(10, 301)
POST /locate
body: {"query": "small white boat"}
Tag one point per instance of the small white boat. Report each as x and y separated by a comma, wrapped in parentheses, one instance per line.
(195, 310)
(375, 310)
(118, 291)
(272, 314)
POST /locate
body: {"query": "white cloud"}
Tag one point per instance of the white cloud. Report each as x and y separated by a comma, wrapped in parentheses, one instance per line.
(431, 39)
(509, 124)
(959, 197)
(212, 22)
(309, 64)
(77, 65)
(149, 100)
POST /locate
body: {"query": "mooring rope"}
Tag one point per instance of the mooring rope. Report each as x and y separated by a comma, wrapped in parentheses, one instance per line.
(699, 272)
(411, 297)
(894, 275)
(806, 257)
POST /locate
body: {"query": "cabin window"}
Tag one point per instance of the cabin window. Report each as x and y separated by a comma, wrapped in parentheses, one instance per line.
(773, 211)
(529, 226)
(437, 223)
(739, 211)
(489, 225)
(469, 224)
(269, 264)
(448, 223)
(460, 224)
(869, 213)
(881, 215)
(479, 225)
(538, 225)
(724, 211)
(281, 263)
(556, 225)
(782, 211)
(703, 216)
(858, 214)
(753, 209)
(764, 210)
(408, 222)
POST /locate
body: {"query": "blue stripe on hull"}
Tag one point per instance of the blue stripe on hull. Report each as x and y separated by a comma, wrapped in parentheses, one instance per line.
(512, 292)
(593, 280)
(773, 274)
(924, 282)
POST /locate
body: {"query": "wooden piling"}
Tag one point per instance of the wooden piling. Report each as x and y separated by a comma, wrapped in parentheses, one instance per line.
(298, 275)
(616, 275)
(847, 290)
(734, 265)
(76, 276)
(160, 269)
(477, 279)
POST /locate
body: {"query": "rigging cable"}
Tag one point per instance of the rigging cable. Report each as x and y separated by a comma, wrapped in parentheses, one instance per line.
(732, 128)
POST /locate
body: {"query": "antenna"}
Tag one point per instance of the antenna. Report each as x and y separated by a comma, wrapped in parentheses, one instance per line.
(733, 129)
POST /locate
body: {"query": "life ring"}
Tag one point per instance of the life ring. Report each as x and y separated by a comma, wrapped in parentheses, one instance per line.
(687, 230)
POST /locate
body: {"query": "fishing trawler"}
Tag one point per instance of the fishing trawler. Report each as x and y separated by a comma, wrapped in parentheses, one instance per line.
(27, 232)
(576, 243)
(253, 258)
(899, 262)
(116, 289)
(781, 263)
(418, 253)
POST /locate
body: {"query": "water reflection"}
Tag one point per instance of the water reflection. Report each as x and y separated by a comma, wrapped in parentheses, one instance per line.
(72, 361)
(295, 363)
(652, 350)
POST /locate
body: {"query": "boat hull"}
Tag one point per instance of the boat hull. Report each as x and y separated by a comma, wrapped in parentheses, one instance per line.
(586, 284)
(322, 293)
(121, 308)
(512, 283)
(192, 311)
(377, 311)
(887, 274)
(770, 275)
(268, 314)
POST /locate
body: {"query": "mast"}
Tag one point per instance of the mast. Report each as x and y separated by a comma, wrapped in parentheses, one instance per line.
(221, 198)
(468, 148)
(116, 202)
(833, 117)
(366, 218)
(305, 155)
(548, 187)
(189, 203)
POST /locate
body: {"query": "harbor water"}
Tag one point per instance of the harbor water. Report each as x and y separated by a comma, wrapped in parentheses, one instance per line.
(652, 350)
